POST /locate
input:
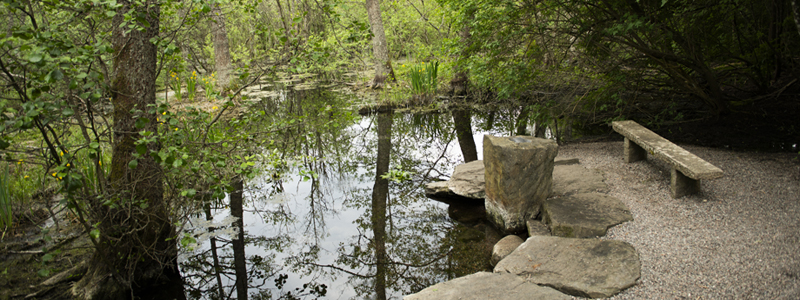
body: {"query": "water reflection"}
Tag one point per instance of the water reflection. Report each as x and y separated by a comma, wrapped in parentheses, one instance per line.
(323, 221)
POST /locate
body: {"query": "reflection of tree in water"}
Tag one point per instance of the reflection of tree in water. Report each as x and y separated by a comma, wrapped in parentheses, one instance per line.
(404, 242)
(223, 268)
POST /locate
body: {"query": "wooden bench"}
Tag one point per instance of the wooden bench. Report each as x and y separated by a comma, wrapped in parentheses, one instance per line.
(687, 168)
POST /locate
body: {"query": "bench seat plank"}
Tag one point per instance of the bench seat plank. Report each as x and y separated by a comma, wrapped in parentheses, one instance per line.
(684, 161)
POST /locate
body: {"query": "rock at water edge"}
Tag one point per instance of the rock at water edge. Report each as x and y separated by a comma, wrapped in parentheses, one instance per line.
(504, 247)
(468, 180)
(485, 285)
(580, 267)
(584, 215)
(519, 176)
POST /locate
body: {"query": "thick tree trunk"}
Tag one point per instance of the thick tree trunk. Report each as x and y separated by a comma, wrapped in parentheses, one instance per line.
(380, 192)
(134, 250)
(380, 49)
(460, 81)
(222, 53)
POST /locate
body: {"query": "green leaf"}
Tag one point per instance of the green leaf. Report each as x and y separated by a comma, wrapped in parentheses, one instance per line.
(177, 163)
(111, 13)
(188, 192)
(35, 57)
(67, 112)
(141, 149)
(95, 233)
(141, 122)
(94, 145)
(47, 257)
(43, 272)
(133, 163)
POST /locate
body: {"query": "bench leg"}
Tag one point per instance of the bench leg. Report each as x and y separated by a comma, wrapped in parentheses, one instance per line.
(680, 185)
(633, 152)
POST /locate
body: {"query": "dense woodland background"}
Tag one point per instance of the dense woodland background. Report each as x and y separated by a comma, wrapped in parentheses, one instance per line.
(80, 83)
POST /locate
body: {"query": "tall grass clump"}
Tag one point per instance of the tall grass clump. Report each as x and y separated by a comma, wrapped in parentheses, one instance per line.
(5, 202)
(424, 78)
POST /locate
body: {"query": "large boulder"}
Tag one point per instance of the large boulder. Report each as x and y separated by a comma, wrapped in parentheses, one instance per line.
(485, 285)
(571, 179)
(519, 177)
(580, 267)
(584, 215)
(504, 247)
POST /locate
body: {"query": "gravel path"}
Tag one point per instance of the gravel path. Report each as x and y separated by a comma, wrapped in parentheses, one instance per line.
(740, 239)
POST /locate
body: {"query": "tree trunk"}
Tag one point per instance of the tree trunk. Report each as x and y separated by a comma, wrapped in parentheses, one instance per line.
(383, 64)
(460, 80)
(222, 53)
(380, 192)
(135, 251)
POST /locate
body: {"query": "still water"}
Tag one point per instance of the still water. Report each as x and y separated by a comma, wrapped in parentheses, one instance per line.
(323, 222)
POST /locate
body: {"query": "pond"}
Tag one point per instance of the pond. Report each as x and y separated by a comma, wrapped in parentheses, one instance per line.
(326, 224)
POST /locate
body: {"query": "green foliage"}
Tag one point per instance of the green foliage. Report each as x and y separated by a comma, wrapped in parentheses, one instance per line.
(424, 78)
(6, 212)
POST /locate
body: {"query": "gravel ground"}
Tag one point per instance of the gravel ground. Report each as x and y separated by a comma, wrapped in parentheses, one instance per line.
(739, 239)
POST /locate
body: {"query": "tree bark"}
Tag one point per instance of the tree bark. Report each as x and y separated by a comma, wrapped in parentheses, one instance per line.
(222, 53)
(134, 251)
(460, 80)
(380, 49)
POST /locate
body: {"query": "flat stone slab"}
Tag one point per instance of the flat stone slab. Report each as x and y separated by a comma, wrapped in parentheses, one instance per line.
(682, 160)
(584, 215)
(466, 184)
(579, 267)
(575, 179)
(468, 180)
(485, 285)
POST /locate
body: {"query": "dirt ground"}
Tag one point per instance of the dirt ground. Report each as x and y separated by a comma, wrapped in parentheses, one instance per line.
(36, 250)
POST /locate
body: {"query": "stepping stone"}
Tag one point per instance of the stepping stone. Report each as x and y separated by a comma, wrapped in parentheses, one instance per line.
(584, 215)
(571, 179)
(485, 285)
(579, 267)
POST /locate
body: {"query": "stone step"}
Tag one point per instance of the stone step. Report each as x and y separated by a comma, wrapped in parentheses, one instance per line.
(584, 215)
(580, 267)
(485, 285)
